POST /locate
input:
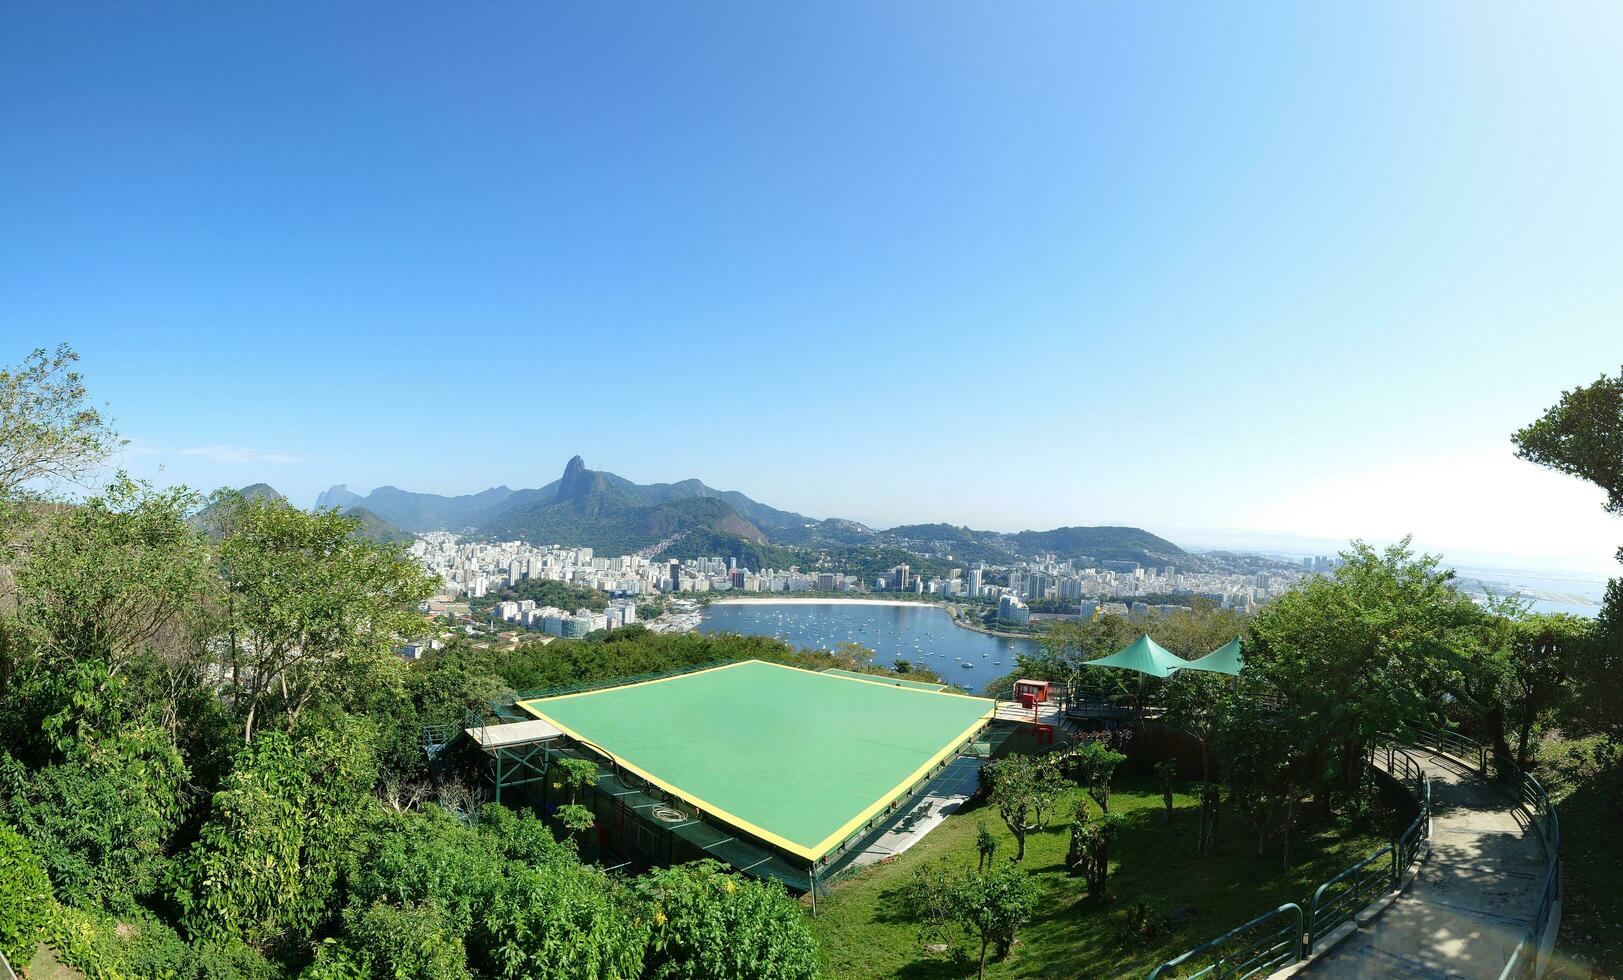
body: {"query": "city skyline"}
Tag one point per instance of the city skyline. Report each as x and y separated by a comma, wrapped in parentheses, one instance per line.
(1255, 275)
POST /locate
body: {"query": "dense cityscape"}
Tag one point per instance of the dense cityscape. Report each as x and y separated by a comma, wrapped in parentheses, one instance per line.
(1056, 588)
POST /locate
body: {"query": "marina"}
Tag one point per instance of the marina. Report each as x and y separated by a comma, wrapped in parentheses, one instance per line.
(924, 635)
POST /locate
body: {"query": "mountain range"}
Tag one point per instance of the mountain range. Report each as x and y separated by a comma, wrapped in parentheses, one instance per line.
(613, 515)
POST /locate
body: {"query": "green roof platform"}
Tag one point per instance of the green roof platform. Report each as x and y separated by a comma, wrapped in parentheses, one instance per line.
(796, 758)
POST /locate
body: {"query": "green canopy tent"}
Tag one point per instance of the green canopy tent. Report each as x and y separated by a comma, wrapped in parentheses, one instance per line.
(1145, 656)
(1225, 659)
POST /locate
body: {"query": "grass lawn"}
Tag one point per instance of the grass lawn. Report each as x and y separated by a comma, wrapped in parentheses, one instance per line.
(1590, 805)
(864, 933)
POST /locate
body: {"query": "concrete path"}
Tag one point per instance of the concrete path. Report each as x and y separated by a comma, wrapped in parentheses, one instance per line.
(1472, 898)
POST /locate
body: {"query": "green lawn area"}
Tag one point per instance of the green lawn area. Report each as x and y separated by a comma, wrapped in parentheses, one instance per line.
(864, 933)
(1590, 805)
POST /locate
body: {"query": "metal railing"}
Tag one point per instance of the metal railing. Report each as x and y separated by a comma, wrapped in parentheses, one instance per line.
(1402, 767)
(1349, 893)
(1459, 746)
(1257, 948)
(1336, 901)
(1530, 793)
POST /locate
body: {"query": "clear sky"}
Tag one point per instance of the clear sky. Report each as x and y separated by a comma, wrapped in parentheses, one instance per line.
(1214, 270)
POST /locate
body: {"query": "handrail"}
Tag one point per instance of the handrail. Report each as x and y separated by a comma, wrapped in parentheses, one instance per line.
(1325, 916)
(1451, 743)
(1530, 793)
(1410, 774)
(1265, 953)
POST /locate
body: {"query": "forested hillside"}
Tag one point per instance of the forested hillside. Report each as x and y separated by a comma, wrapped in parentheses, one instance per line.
(211, 761)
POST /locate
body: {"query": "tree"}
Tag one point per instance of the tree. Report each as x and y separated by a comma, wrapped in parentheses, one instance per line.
(985, 845)
(267, 861)
(574, 775)
(1582, 435)
(1025, 791)
(1095, 763)
(1093, 840)
(994, 905)
(712, 925)
(49, 431)
(1068, 644)
(1166, 772)
(1269, 766)
(1198, 702)
(1543, 653)
(930, 896)
(310, 611)
(98, 588)
(564, 922)
(1351, 659)
(577, 820)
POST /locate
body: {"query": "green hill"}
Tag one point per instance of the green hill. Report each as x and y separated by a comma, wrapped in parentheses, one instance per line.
(375, 528)
(612, 515)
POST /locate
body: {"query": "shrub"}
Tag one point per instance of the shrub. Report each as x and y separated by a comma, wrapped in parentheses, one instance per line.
(711, 925)
(566, 922)
(105, 947)
(25, 896)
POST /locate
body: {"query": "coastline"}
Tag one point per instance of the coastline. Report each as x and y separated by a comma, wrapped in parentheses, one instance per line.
(817, 601)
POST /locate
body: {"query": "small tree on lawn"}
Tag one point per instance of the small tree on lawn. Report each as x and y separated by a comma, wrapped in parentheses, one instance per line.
(994, 904)
(1079, 838)
(1096, 838)
(1096, 763)
(1025, 791)
(931, 896)
(1167, 773)
(1210, 799)
(985, 845)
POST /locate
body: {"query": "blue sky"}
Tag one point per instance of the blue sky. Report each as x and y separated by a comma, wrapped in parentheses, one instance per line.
(1221, 272)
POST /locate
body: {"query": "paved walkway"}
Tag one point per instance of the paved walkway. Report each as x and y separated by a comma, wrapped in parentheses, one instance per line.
(1473, 895)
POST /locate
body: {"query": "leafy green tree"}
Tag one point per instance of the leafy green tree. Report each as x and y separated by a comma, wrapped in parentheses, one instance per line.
(1166, 773)
(49, 431)
(1094, 852)
(577, 820)
(1199, 702)
(1095, 764)
(1351, 659)
(1068, 644)
(930, 897)
(97, 590)
(1025, 791)
(573, 776)
(266, 865)
(994, 904)
(563, 923)
(1582, 435)
(1545, 650)
(25, 897)
(708, 924)
(985, 845)
(1270, 765)
(311, 612)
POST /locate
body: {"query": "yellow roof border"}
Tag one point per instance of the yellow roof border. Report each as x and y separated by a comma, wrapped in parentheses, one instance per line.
(826, 844)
